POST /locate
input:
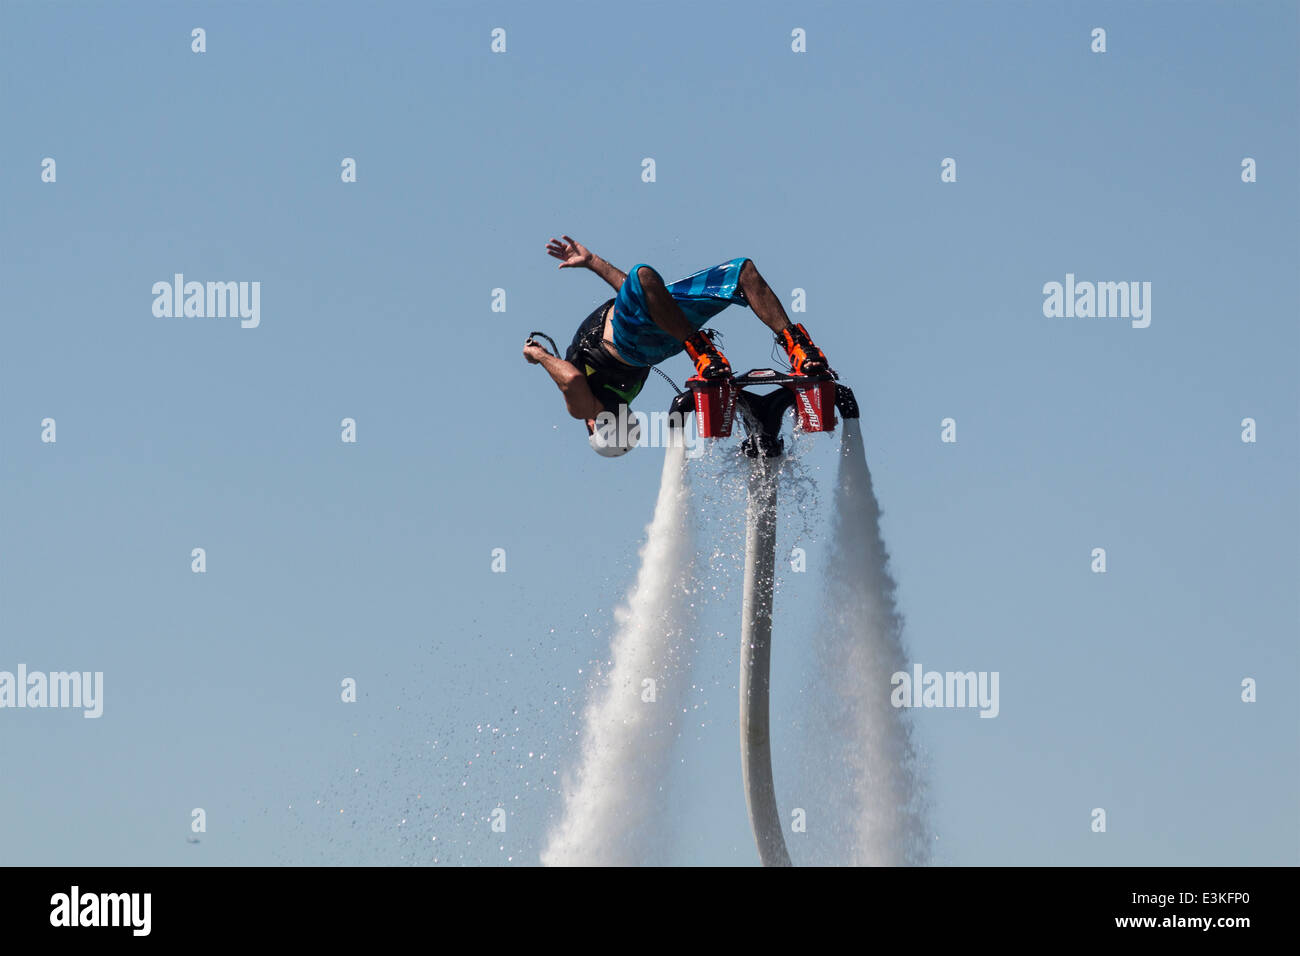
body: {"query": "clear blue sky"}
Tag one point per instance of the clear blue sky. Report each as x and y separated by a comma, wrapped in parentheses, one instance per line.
(372, 560)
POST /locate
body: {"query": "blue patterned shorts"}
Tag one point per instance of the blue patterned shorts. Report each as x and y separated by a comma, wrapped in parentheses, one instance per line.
(701, 296)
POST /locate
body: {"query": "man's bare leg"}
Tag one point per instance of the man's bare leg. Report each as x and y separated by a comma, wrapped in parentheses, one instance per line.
(805, 358)
(762, 299)
(663, 308)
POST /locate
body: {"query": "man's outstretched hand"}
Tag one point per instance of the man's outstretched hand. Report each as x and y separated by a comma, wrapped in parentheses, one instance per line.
(571, 253)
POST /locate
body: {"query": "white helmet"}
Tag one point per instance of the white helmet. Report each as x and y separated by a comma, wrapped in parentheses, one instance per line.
(604, 438)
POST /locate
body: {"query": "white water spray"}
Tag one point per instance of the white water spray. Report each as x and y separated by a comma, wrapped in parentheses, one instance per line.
(610, 815)
(868, 799)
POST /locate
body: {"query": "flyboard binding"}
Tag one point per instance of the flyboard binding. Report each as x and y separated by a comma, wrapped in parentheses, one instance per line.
(813, 397)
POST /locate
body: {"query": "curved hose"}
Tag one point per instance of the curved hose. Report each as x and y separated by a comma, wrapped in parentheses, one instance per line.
(555, 349)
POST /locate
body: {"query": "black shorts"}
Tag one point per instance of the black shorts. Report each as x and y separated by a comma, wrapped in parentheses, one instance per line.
(612, 381)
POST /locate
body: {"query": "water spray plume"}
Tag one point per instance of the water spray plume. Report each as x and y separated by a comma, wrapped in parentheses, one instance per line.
(612, 802)
(870, 794)
(859, 785)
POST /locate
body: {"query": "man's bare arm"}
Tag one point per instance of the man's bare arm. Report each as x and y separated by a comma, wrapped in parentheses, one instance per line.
(611, 274)
(578, 397)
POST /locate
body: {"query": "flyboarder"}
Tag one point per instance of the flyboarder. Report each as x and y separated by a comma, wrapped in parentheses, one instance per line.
(647, 322)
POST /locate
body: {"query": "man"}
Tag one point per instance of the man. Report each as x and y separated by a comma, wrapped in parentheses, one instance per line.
(647, 322)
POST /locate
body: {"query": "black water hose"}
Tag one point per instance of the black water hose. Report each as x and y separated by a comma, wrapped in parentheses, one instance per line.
(555, 349)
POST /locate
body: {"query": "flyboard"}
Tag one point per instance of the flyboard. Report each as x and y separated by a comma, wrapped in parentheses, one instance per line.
(815, 399)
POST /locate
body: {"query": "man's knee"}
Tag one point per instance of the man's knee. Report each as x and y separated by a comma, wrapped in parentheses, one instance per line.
(749, 274)
(647, 276)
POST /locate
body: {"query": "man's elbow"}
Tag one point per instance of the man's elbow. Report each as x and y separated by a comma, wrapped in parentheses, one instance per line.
(575, 402)
(579, 406)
